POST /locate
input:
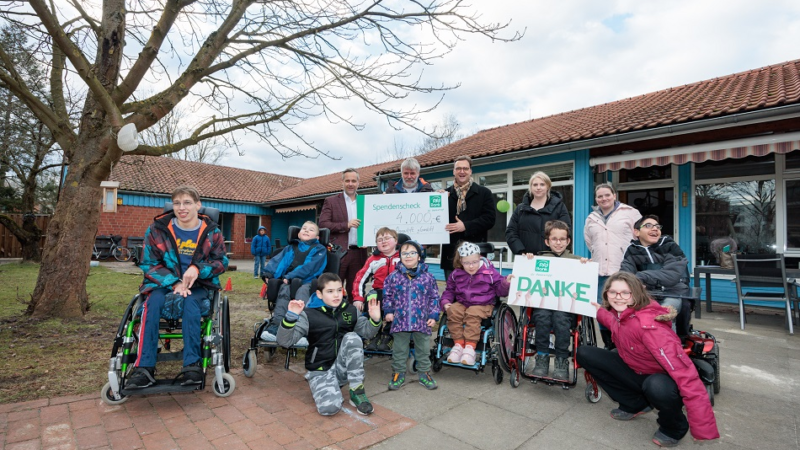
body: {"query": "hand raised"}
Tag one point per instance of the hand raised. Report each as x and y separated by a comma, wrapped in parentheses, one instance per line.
(296, 306)
(374, 310)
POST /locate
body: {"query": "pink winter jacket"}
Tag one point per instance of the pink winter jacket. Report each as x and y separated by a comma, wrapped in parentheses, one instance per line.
(608, 240)
(647, 344)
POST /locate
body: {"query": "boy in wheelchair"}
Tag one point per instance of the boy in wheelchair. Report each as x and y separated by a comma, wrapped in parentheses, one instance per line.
(183, 256)
(304, 258)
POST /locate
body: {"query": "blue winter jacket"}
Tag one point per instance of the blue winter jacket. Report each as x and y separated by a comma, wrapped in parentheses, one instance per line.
(312, 266)
(260, 245)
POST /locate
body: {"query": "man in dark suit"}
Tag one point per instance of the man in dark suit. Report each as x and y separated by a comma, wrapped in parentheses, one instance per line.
(339, 214)
(472, 211)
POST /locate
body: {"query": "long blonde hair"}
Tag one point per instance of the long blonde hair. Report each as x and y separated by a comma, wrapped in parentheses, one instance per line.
(544, 178)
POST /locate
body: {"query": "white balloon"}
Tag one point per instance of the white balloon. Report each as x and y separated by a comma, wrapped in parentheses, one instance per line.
(128, 138)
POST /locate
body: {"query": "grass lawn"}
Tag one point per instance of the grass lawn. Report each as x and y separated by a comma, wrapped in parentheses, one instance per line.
(49, 358)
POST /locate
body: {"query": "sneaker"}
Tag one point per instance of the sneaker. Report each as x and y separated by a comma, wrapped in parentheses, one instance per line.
(269, 337)
(542, 367)
(662, 440)
(141, 377)
(192, 374)
(383, 345)
(255, 276)
(398, 379)
(358, 398)
(468, 356)
(619, 414)
(427, 380)
(455, 354)
(561, 369)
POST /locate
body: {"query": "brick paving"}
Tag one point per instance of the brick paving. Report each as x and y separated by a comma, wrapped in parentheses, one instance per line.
(272, 410)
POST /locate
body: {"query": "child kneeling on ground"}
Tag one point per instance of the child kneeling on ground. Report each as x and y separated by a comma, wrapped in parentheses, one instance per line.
(303, 258)
(411, 303)
(469, 298)
(556, 236)
(335, 354)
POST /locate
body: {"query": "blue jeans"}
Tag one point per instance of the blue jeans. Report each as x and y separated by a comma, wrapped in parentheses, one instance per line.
(148, 332)
(259, 264)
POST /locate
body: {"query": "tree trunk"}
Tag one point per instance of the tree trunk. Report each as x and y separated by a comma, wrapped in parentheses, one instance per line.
(61, 287)
(30, 244)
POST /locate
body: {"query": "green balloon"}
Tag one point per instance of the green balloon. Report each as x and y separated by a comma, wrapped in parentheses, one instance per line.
(503, 206)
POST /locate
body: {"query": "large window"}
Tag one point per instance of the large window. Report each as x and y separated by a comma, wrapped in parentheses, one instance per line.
(251, 227)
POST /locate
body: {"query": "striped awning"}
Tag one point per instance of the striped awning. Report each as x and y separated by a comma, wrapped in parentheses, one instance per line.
(698, 153)
(296, 208)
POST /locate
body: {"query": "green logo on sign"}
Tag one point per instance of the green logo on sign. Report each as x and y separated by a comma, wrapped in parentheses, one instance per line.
(436, 202)
(542, 266)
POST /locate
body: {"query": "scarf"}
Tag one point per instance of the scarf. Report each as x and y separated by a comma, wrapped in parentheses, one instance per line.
(412, 273)
(461, 192)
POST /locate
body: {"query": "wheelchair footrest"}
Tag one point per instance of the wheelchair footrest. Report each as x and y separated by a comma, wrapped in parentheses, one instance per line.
(161, 387)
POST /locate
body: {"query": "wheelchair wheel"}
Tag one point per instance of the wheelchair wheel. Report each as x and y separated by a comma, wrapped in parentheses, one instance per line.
(717, 382)
(122, 254)
(249, 363)
(108, 397)
(505, 333)
(228, 384)
(270, 351)
(411, 364)
(593, 393)
(225, 324)
(497, 373)
(710, 390)
(514, 378)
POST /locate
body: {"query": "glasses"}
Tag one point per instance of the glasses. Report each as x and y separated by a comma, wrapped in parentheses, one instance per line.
(408, 254)
(558, 239)
(651, 225)
(384, 239)
(470, 263)
(183, 205)
(625, 295)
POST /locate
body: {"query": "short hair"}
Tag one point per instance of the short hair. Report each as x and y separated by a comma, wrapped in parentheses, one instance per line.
(311, 222)
(350, 169)
(605, 186)
(463, 158)
(186, 190)
(639, 222)
(410, 163)
(325, 278)
(386, 230)
(544, 178)
(639, 294)
(555, 225)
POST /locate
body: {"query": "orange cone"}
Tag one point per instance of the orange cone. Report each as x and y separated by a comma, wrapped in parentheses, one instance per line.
(263, 290)
(228, 286)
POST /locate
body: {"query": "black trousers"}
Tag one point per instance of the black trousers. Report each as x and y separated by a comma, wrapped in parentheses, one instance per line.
(633, 391)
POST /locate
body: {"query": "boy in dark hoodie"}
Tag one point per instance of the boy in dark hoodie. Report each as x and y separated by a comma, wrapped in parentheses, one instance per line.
(556, 234)
(335, 354)
(303, 258)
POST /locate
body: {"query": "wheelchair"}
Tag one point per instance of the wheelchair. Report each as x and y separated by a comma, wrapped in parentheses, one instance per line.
(497, 332)
(269, 292)
(215, 344)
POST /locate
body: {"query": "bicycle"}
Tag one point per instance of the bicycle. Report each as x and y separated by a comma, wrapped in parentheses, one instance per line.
(120, 253)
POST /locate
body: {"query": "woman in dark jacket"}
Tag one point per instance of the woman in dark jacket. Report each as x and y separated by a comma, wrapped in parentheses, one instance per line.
(525, 231)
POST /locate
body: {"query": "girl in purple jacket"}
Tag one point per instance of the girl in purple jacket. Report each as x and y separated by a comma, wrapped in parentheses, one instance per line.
(469, 298)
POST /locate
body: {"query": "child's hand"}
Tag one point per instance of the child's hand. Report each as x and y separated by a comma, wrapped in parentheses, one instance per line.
(510, 277)
(359, 305)
(529, 255)
(595, 304)
(584, 260)
(388, 317)
(296, 306)
(447, 306)
(374, 310)
(285, 281)
(431, 323)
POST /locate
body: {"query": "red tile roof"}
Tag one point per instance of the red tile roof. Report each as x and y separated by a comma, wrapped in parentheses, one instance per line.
(332, 183)
(159, 174)
(763, 88)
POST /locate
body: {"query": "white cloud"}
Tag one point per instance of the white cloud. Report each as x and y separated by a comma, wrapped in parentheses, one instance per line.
(574, 55)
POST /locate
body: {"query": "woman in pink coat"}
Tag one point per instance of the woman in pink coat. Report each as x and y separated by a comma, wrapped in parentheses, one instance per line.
(608, 231)
(650, 369)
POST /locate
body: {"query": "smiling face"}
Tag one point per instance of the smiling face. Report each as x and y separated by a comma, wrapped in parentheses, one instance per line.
(186, 209)
(308, 232)
(615, 294)
(538, 188)
(462, 171)
(471, 263)
(386, 243)
(605, 199)
(648, 236)
(350, 183)
(409, 256)
(410, 177)
(557, 241)
(331, 294)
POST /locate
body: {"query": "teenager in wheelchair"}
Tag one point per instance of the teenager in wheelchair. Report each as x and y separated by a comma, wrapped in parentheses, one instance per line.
(290, 275)
(179, 299)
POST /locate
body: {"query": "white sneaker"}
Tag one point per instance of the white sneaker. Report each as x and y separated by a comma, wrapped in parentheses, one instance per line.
(267, 336)
(455, 354)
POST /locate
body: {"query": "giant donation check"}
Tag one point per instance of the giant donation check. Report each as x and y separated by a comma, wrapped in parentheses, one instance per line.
(422, 216)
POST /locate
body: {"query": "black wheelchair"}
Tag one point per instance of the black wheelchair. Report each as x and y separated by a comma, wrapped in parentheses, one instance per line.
(215, 345)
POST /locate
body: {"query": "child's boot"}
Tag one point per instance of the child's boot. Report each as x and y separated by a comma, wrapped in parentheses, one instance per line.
(427, 380)
(358, 398)
(398, 379)
(542, 365)
(561, 369)
(373, 345)
(383, 345)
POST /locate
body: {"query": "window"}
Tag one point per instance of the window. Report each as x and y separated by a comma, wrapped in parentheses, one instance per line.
(793, 214)
(251, 227)
(109, 196)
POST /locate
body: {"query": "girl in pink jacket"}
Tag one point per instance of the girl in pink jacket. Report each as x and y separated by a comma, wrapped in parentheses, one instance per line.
(651, 369)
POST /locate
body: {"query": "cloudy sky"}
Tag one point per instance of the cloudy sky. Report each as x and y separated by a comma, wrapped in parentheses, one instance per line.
(573, 55)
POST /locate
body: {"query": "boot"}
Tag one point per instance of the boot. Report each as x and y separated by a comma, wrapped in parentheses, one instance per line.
(383, 344)
(608, 344)
(561, 369)
(542, 365)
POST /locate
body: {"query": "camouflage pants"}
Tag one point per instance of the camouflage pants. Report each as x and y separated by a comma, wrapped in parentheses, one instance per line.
(326, 387)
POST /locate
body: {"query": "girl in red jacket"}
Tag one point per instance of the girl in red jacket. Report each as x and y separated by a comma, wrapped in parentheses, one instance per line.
(650, 370)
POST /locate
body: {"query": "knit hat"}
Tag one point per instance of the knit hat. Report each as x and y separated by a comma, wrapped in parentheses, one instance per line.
(468, 248)
(420, 249)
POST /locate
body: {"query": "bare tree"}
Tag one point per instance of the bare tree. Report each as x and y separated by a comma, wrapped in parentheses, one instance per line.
(172, 128)
(445, 132)
(256, 66)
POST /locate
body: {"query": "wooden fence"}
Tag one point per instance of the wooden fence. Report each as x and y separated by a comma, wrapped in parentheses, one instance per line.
(10, 246)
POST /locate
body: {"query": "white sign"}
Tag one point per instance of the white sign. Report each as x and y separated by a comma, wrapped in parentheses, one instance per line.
(561, 284)
(421, 215)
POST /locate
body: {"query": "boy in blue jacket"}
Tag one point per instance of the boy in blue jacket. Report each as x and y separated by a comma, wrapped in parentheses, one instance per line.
(261, 248)
(304, 258)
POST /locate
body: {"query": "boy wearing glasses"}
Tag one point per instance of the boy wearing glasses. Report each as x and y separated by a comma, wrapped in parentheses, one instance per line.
(556, 236)
(378, 266)
(411, 304)
(658, 263)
